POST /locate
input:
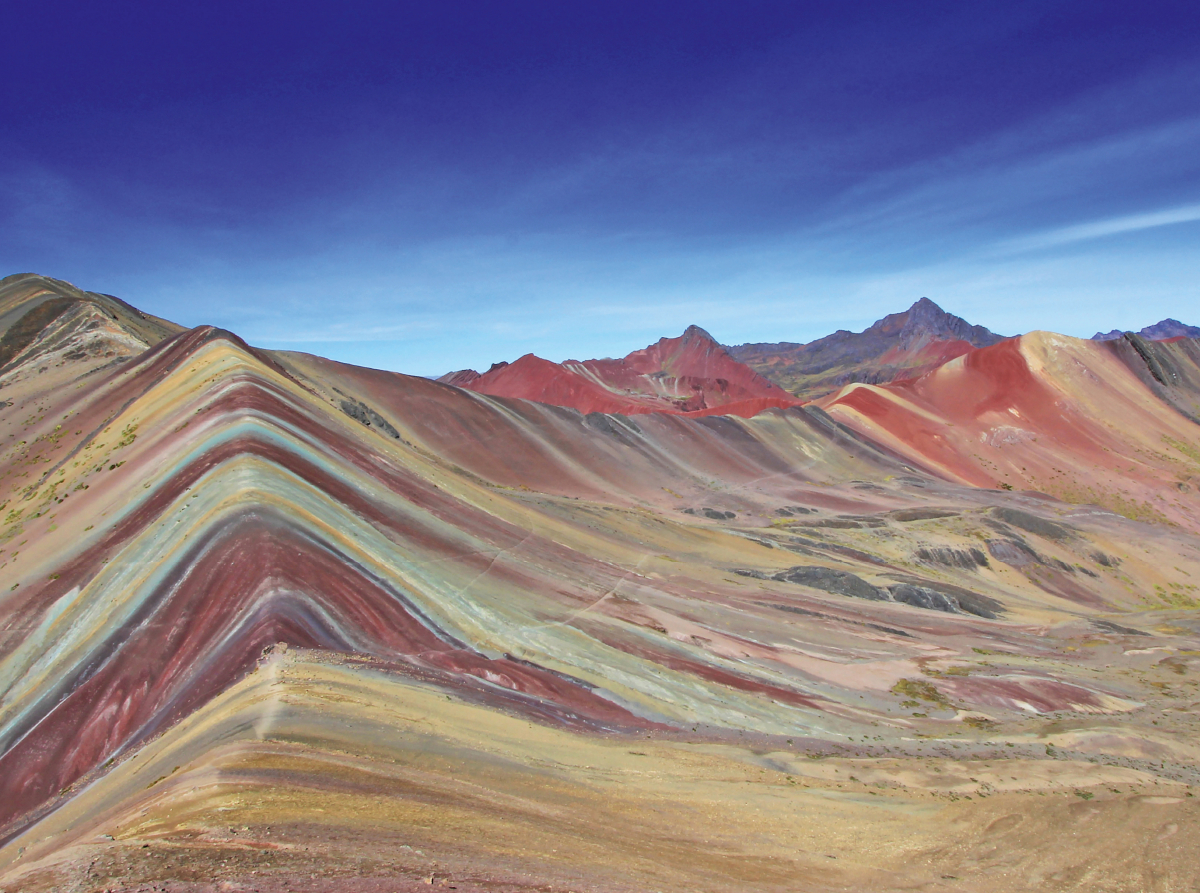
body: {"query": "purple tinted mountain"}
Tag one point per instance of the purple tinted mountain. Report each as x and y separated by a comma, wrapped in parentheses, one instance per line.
(901, 345)
(1160, 331)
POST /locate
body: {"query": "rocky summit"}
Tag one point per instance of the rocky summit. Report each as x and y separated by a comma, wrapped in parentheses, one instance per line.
(901, 345)
(688, 375)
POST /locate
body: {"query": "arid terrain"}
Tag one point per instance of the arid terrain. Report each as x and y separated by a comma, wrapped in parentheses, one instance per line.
(273, 622)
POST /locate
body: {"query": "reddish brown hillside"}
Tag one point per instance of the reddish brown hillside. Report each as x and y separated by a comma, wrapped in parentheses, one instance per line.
(1075, 419)
(691, 374)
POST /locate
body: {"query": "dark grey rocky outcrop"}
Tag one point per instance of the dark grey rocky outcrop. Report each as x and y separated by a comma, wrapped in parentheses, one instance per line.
(924, 597)
(829, 580)
(360, 412)
(917, 593)
(967, 559)
(1033, 524)
(1014, 553)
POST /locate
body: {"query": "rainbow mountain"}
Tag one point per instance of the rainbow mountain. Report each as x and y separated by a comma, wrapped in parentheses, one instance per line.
(276, 622)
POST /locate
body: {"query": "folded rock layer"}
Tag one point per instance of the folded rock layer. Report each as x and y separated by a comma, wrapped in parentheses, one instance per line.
(277, 621)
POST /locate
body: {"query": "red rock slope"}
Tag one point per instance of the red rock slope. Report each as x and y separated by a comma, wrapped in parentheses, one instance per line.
(1096, 422)
(688, 375)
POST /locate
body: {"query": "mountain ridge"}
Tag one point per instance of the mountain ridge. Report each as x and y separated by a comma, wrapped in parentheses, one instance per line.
(687, 374)
(1159, 331)
(900, 345)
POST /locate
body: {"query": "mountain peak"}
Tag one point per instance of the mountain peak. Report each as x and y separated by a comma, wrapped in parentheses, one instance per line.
(925, 317)
(926, 305)
(900, 345)
(1170, 328)
(692, 333)
(688, 373)
(926, 321)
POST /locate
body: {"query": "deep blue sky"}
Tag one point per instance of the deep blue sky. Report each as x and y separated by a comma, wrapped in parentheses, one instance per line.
(425, 186)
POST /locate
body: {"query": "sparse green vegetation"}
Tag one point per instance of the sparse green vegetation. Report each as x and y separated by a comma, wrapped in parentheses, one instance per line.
(1189, 450)
(128, 436)
(920, 690)
(980, 722)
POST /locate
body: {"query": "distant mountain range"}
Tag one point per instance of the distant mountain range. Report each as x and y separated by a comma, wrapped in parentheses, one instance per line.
(695, 375)
(1160, 331)
(901, 345)
(689, 375)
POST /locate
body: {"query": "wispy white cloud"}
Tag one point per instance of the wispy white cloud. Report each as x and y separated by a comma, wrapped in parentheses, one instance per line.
(1111, 226)
(363, 330)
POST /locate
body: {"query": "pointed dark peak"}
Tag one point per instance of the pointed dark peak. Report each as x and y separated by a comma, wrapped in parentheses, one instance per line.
(927, 309)
(923, 318)
(1170, 328)
(692, 333)
(925, 321)
(913, 341)
(926, 317)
